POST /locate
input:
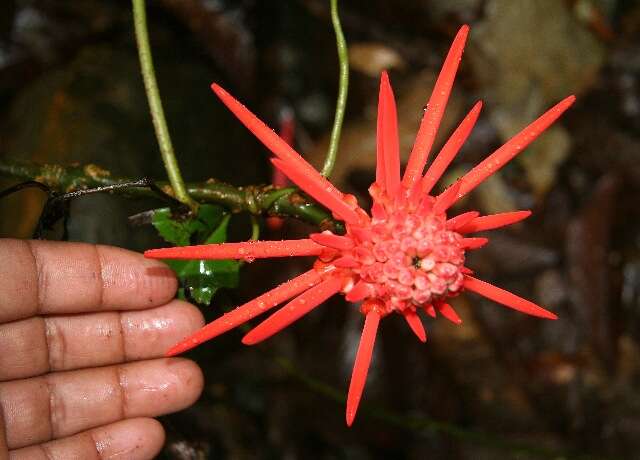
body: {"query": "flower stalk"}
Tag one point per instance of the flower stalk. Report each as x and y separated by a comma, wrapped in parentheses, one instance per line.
(343, 89)
(155, 106)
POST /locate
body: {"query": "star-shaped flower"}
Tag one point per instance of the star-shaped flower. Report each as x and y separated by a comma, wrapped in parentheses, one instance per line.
(405, 256)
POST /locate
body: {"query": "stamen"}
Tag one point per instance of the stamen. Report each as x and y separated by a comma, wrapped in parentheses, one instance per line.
(294, 310)
(248, 250)
(434, 111)
(361, 365)
(492, 221)
(506, 298)
(249, 310)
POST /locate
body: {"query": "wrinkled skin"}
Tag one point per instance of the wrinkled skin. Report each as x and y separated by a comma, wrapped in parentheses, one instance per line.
(82, 332)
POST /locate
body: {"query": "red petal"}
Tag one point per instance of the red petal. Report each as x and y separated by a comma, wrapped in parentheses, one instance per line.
(244, 250)
(435, 108)
(414, 322)
(506, 298)
(346, 262)
(287, 134)
(378, 212)
(361, 233)
(333, 241)
(360, 291)
(323, 191)
(473, 243)
(265, 134)
(306, 173)
(249, 310)
(390, 138)
(461, 219)
(361, 365)
(493, 221)
(449, 313)
(446, 199)
(431, 311)
(515, 145)
(380, 157)
(293, 311)
(450, 149)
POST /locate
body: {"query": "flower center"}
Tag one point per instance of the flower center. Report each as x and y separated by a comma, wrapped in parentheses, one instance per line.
(407, 258)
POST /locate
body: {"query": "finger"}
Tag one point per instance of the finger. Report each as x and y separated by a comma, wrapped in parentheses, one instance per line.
(4, 448)
(62, 404)
(135, 439)
(37, 345)
(41, 277)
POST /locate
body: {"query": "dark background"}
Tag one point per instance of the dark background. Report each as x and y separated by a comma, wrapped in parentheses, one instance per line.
(502, 385)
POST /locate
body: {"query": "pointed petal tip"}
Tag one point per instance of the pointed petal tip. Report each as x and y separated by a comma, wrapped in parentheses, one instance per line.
(463, 31)
(219, 90)
(249, 339)
(350, 416)
(361, 364)
(506, 298)
(216, 88)
(151, 254)
(178, 349)
(416, 326)
(171, 352)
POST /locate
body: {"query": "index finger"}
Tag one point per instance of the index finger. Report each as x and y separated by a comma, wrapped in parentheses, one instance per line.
(45, 277)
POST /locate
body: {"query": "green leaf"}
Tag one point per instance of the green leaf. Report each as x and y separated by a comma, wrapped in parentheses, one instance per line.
(186, 231)
(202, 278)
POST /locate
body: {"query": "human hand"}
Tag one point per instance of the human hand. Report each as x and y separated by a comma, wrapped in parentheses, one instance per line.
(81, 331)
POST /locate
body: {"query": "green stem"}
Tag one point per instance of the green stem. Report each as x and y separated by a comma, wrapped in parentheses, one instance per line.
(343, 89)
(155, 105)
(264, 200)
(255, 228)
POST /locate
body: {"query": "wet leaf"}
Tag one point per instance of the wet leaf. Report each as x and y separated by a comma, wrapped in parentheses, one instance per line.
(183, 232)
(200, 279)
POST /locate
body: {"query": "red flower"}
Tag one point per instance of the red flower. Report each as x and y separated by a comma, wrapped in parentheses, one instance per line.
(406, 256)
